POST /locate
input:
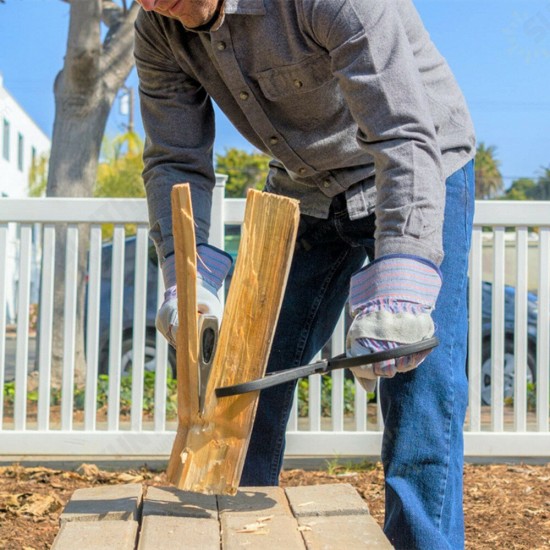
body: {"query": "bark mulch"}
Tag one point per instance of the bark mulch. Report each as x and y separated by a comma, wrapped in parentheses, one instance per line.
(506, 506)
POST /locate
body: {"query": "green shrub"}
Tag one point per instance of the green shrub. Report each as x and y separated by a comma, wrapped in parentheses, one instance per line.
(148, 404)
(326, 396)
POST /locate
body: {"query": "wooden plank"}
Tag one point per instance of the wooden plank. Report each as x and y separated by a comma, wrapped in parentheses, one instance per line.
(187, 341)
(213, 445)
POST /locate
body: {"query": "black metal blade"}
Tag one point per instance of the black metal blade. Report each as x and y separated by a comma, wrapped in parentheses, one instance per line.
(324, 366)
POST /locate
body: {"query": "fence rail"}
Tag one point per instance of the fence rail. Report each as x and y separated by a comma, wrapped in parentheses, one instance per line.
(133, 416)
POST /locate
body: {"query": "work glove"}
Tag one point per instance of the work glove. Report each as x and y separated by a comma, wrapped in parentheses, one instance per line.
(213, 265)
(391, 301)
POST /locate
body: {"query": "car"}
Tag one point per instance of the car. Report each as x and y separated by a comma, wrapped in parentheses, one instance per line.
(128, 309)
(509, 330)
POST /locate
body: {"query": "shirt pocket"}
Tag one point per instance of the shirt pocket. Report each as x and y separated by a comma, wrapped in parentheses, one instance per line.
(300, 78)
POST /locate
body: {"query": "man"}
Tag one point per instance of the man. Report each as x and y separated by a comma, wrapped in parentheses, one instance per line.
(369, 130)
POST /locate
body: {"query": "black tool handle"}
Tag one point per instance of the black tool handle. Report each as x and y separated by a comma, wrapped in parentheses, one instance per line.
(324, 366)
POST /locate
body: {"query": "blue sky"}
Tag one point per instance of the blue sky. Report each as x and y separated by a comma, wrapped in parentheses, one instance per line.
(499, 51)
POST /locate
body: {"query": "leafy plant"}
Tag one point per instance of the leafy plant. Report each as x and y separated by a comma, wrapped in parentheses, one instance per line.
(102, 401)
(326, 396)
(244, 171)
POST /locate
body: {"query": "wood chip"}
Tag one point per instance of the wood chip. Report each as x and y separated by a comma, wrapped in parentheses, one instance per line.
(259, 527)
(89, 470)
(130, 478)
(40, 505)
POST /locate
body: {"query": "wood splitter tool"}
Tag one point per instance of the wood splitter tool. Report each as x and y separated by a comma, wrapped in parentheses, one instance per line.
(325, 366)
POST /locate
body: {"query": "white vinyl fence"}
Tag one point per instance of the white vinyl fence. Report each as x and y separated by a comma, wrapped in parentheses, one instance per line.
(509, 350)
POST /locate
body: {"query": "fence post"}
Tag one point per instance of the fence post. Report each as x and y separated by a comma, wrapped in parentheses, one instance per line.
(217, 222)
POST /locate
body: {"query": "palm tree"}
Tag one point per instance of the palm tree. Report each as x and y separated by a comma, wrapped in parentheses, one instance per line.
(488, 177)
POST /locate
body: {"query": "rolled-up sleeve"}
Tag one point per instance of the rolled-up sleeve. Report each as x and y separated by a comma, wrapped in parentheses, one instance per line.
(374, 63)
(179, 124)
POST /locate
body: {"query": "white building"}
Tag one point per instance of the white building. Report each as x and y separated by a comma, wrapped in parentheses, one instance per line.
(21, 142)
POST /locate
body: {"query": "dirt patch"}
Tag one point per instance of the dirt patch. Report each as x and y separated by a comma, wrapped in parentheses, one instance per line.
(506, 506)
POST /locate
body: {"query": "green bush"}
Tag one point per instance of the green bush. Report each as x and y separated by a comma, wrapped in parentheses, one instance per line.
(148, 404)
(326, 396)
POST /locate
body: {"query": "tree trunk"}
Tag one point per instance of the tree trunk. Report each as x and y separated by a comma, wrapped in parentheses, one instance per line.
(84, 91)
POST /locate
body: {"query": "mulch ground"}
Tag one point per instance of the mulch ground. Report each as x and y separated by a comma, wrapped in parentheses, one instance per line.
(506, 506)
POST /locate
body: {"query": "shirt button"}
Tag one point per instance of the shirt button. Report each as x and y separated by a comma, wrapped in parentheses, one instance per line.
(298, 83)
(302, 171)
(221, 46)
(243, 96)
(326, 184)
(273, 140)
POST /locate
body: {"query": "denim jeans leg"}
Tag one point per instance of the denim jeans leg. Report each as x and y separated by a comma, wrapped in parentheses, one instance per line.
(424, 409)
(316, 292)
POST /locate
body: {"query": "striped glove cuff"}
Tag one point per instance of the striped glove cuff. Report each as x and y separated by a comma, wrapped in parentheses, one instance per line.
(392, 279)
(213, 265)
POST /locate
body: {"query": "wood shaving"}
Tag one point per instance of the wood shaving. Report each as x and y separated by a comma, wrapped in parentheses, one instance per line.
(259, 527)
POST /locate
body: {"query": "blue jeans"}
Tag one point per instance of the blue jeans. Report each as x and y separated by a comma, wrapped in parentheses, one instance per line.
(424, 409)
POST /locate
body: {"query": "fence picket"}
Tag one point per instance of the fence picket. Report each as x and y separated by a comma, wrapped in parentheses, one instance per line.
(22, 342)
(161, 363)
(475, 330)
(293, 417)
(115, 333)
(497, 332)
(337, 394)
(45, 326)
(3, 283)
(92, 327)
(140, 291)
(543, 331)
(314, 400)
(69, 327)
(520, 332)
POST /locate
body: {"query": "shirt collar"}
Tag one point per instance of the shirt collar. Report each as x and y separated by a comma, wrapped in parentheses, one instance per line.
(237, 7)
(251, 7)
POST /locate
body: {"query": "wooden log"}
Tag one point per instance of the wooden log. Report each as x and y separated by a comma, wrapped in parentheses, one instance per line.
(214, 444)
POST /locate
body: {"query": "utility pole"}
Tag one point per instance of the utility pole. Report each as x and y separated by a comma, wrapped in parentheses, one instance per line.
(127, 106)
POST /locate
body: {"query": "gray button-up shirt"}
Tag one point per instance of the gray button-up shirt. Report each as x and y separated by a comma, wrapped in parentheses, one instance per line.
(345, 96)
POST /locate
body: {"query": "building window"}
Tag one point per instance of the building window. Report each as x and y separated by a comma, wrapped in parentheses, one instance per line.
(6, 146)
(20, 159)
(33, 156)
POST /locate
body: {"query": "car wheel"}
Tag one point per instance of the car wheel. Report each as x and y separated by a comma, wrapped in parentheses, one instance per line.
(509, 371)
(149, 359)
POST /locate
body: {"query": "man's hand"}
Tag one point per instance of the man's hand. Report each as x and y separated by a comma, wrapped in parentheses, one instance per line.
(391, 301)
(213, 265)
